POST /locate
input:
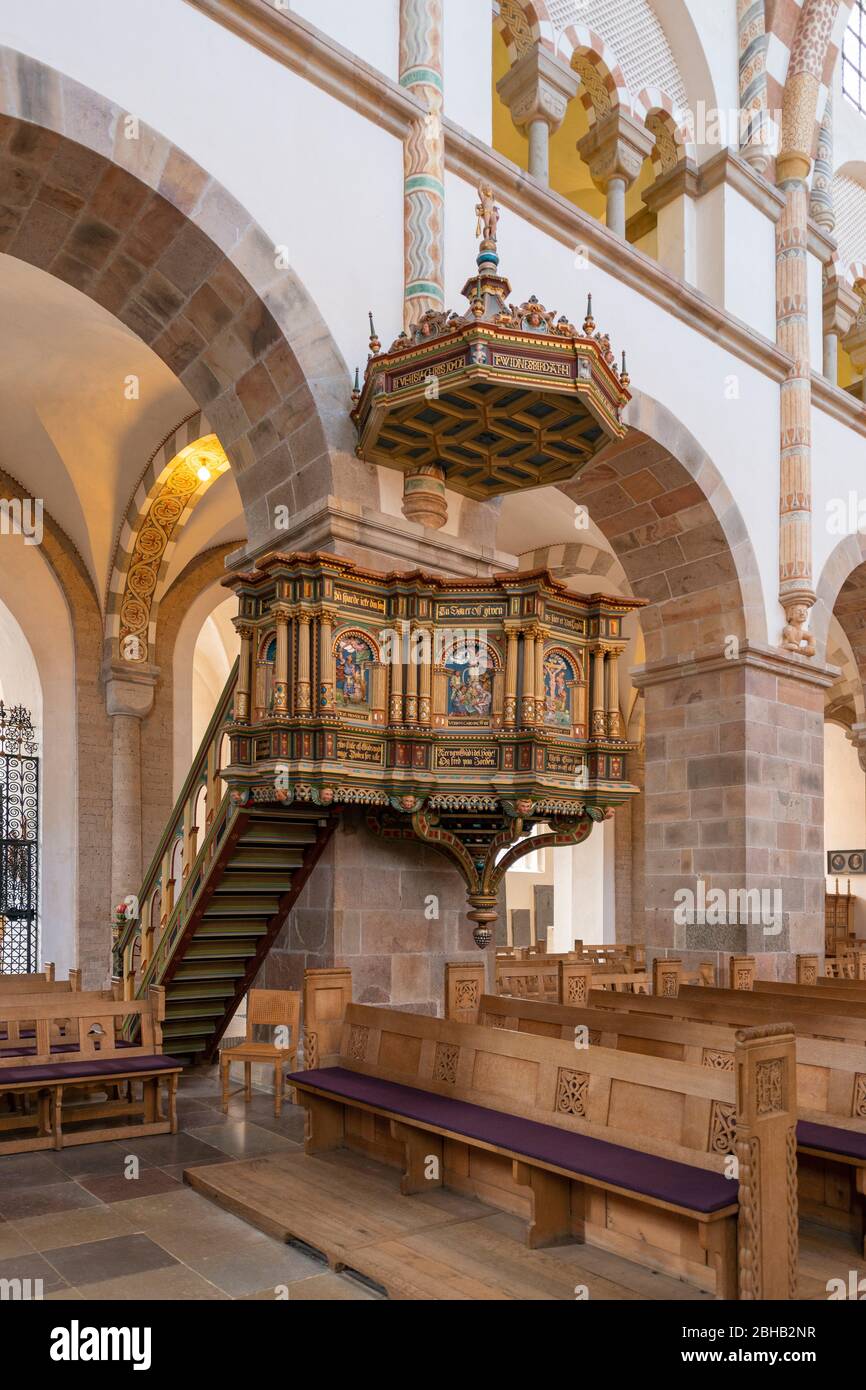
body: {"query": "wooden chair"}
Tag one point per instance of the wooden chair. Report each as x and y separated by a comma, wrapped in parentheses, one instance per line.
(274, 1008)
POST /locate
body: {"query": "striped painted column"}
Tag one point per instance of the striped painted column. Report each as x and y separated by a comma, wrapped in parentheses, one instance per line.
(809, 50)
(792, 334)
(423, 160)
(821, 207)
(752, 42)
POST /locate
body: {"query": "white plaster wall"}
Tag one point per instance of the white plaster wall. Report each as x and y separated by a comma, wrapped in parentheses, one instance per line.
(743, 283)
(579, 892)
(845, 811)
(838, 456)
(196, 675)
(317, 177)
(371, 29)
(31, 595)
(468, 65)
(816, 313)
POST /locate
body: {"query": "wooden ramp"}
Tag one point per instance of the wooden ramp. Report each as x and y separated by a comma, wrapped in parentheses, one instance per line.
(436, 1246)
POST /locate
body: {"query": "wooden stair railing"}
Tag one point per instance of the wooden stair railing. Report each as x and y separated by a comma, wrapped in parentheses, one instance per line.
(237, 885)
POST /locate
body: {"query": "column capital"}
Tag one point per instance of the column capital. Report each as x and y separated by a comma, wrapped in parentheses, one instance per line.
(615, 147)
(538, 87)
(129, 689)
(854, 341)
(842, 304)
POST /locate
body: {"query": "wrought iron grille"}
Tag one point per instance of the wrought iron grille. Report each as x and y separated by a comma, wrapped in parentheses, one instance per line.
(19, 842)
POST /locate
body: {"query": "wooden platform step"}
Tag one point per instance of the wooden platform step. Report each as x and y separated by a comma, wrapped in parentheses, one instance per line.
(441, 1246)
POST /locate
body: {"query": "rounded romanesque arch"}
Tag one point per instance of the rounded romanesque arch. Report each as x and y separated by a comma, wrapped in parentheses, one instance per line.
(147, 233)
(89, 887)
(678, 535)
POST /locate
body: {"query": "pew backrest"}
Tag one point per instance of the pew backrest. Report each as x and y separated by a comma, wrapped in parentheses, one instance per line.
(92, 1025)
(651, 1104)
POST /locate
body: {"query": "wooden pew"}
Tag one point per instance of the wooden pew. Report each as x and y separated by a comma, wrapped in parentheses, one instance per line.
(17, 987)
(555, 977)
(93, 1056)
(626, 1152)
(830, 1078)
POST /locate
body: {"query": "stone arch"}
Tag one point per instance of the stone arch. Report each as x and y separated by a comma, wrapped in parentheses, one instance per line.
(146, 232)
(159, 508)
(844, 701)
(844, 566)
(670, 128)
(92, 737)
(520, 25)
(603, 88)
(678, 534)
(564, 561)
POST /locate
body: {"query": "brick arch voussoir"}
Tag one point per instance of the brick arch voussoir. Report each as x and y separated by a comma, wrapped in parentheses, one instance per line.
(146, 232)
(840, 581)
(678, 535)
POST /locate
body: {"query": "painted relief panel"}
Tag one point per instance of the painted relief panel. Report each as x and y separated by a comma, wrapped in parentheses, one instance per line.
(470, 682)
(354, 659)
(561, 675)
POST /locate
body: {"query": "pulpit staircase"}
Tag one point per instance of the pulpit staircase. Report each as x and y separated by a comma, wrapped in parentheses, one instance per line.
(214, 898)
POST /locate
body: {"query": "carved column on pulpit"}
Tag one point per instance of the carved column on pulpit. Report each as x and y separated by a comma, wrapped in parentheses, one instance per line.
(304, 704)
(527, 693)
(510, 713)
(282, 616)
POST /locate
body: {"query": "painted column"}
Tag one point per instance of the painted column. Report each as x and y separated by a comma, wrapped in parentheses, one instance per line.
(792, 332)
(598, 726)
(425, 678)
(614, 150)
(821, 208)
(510, 717)
(281, 665)
(242, 689)
(304, 702)
(793, 162)
(752, 40)
(614, 719)
(423, 159)
(537, 90)
(539, 678)
(411, 714)
(527, 694)
(129, 699)
(327, 670)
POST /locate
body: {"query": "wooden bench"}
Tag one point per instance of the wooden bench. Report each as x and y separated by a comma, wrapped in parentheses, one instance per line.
(562, 979)
(625, 1152)
(92, 1056)
(14, 988)
(831, 1088)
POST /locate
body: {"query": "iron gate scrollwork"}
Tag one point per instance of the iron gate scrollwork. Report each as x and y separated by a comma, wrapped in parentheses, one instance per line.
(19, 841)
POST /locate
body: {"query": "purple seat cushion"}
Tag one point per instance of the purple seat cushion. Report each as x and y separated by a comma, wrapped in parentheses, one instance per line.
(71, 1071)
(662, 1178)
(846, 1142)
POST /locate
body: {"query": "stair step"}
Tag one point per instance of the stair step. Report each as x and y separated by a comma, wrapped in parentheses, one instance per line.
(188, 1008)
(210, 970)
(221, 950)
(186, 1028)
(242, 905)
(253, 881)
(266, 857)
(273, 832)
(185, 1048)
(214, 993)
(217, 927)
